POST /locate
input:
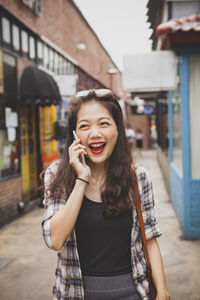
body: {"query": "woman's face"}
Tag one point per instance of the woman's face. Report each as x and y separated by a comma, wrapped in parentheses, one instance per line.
(97, 131)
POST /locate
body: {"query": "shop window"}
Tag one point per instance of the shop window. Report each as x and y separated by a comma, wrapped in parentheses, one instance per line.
(177, 151)
(194, 115)
(6, 34)
(24, 40)
(9, 159)
(15, 38)
(32, 47)
(40, 51)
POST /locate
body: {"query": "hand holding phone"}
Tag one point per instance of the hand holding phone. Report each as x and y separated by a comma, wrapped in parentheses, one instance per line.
(82, 158)
(78, 163)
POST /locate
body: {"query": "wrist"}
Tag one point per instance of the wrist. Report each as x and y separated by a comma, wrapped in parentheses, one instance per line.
(163, 295)
(83, 180)
(84, 177)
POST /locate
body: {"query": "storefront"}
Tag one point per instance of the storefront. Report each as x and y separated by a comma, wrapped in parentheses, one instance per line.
(39, 96)
(28, 101)
(184, 122)
(9, 138)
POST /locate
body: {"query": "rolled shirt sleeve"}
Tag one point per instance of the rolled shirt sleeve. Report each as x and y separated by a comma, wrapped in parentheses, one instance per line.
(51, 205)
(147, 204)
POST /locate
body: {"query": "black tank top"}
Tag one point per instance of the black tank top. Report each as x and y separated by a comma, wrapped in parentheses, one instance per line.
(103, 243)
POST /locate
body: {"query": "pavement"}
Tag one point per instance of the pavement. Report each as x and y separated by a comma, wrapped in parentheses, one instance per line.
(27, 266)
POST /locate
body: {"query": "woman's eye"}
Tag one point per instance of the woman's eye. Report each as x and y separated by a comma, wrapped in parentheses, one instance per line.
(104, 123)
(83, 126)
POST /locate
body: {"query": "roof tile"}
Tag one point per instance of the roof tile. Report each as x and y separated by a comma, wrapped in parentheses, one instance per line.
(183, 24)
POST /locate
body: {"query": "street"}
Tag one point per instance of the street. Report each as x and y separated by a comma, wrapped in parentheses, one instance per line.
(27, 266)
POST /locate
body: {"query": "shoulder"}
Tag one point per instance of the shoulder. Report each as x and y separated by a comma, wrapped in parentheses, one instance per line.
(144, 180)
(141, 172)
(51, 170)
(53, 166)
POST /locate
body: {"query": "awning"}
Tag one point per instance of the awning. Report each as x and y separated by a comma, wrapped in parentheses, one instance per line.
(38, 86)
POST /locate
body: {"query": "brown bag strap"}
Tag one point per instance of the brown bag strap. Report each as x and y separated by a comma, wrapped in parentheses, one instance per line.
(141, 222)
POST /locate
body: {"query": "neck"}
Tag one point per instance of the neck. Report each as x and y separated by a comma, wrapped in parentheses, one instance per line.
(98, 171)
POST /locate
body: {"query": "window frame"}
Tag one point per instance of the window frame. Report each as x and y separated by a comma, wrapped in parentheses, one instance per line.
(4, 43)
(30, 36)
(26, 54)
(18, 27)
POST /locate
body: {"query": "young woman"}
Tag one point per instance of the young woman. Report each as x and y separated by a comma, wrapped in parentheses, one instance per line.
(90, 215)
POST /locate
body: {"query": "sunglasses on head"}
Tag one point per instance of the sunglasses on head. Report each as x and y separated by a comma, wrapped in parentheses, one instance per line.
(99, 92)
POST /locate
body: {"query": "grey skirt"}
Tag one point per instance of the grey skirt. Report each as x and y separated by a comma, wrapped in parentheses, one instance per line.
(119, 287)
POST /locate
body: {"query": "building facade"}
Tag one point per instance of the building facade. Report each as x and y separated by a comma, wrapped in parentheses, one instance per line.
(177, 28)
(48, 51)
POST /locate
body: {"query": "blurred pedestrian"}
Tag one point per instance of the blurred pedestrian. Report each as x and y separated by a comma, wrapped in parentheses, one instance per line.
(130, 135)
(139, 142)
(90, 212)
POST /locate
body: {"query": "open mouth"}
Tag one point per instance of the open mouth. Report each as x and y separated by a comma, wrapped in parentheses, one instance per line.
(97, 148)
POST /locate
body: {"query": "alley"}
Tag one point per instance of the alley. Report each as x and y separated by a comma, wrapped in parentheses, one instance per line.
(27, 265)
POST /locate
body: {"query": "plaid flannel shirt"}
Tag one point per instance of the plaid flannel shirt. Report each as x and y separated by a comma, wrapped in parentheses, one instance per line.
(69, 284)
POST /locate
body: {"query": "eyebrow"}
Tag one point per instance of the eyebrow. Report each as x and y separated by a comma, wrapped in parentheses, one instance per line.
(85, 120)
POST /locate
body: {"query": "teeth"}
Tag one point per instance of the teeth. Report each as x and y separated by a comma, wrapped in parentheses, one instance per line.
(96, 145)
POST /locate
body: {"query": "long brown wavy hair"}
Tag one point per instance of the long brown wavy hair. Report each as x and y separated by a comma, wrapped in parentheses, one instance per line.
(118, 190)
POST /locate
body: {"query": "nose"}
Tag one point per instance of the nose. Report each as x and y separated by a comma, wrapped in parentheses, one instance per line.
(94, 132)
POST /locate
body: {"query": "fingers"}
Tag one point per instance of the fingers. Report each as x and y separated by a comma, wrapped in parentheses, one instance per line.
(77, 147)
(76, 143)
(80, 151)
(77, 159)
(76, 150)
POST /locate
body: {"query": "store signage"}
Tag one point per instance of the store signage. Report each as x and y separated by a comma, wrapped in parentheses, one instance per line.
(34, 5)
(150, 72)
(148, 109)
(11, 118)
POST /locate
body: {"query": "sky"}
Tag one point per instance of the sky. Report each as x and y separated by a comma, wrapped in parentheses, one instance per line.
(121, 26)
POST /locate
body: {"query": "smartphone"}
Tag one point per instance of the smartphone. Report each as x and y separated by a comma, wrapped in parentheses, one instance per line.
(82, 155)
(75, 136)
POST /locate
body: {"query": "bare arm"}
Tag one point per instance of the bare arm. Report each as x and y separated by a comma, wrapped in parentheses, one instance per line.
(157, 269)
(62, 223)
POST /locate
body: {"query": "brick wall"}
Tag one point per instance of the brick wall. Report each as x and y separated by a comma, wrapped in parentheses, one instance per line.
(62, 23)
(10, 195)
